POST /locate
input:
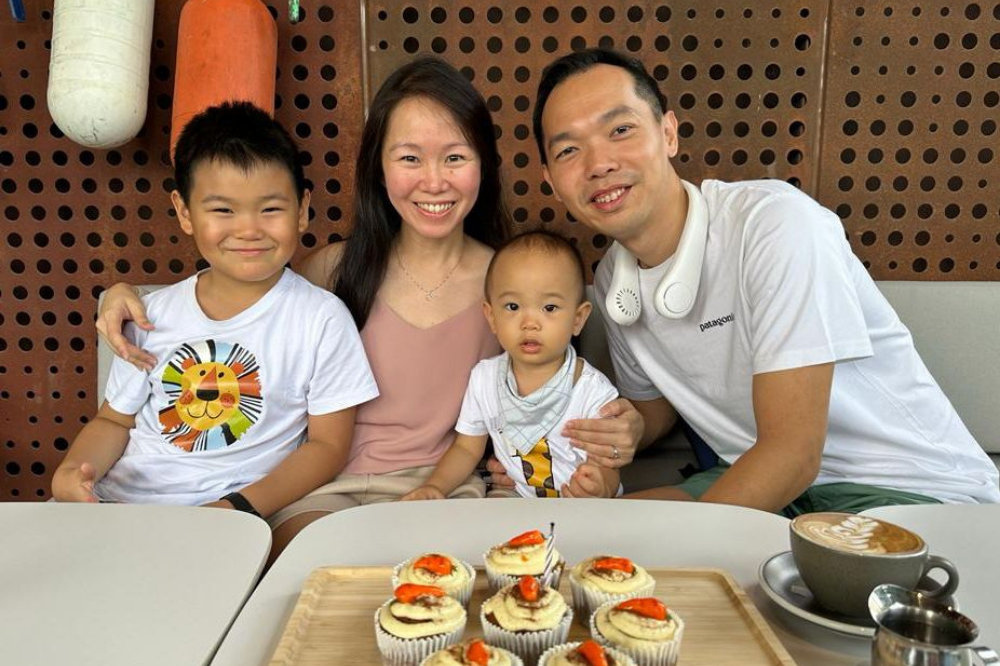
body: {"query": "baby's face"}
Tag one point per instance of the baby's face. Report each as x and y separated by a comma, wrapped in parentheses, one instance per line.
(535, 306)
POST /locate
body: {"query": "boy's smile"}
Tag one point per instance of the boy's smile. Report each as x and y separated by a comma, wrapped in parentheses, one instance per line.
(246, 225)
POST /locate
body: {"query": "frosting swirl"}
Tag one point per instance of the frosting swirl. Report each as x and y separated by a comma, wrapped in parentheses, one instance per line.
(575, 654)
(425, 615)
(456, 655)
(613, 579)
(438, 569)
(634, 630)
(510, 610)
(519, 560)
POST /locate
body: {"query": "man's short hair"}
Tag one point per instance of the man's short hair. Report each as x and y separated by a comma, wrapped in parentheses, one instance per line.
(580, 61)
(541, 240)
(236, 133)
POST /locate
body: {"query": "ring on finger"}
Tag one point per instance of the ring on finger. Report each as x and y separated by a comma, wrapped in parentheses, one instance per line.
(615, 453)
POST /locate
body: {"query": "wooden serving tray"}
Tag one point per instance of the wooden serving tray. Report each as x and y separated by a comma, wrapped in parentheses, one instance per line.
(333, 621)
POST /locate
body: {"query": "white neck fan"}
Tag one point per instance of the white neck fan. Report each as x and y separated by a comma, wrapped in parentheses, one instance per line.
(676, 292)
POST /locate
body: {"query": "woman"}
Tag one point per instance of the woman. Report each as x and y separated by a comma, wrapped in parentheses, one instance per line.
(428, 213)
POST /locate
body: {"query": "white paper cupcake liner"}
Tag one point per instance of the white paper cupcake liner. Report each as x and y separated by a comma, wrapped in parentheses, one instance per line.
(462, 595)
(586, 598)
(514, 659)
(657, 654)
(620, 657)
(499, 580)
(410, 651)
(528, 645)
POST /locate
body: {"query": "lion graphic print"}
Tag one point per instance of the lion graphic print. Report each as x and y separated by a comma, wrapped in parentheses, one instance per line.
(214, 395)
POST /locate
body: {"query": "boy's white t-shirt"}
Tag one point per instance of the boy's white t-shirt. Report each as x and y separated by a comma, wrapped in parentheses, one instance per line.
(481, 415)
(294, 353)
(780, 288)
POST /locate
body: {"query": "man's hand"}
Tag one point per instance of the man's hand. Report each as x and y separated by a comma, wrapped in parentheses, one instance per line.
(588, 481)
(121, 304)
(423, 493)
(498, 475)
(612, 440)
(74, 484)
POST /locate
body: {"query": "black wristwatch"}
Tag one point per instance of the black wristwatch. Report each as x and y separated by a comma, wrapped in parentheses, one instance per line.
(241, 503)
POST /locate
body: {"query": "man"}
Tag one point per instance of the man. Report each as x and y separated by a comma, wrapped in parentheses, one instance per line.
(776, 348)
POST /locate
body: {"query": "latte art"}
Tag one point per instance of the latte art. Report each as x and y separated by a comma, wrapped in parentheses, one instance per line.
(858, 534)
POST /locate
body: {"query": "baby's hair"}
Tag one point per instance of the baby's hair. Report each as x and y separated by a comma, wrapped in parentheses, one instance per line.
(541, 240)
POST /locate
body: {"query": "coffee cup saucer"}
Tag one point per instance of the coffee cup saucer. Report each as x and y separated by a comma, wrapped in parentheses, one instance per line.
(781, 582)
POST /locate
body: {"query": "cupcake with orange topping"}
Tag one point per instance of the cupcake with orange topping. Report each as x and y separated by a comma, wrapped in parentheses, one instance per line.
(598, 580)
(587, 653)
(418, 620)
(524, 555)
(473, 652)
(643, 628)
(526, 618)
(452, 575)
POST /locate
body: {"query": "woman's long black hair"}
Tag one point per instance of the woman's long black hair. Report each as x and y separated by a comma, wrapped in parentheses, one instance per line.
(376, 223)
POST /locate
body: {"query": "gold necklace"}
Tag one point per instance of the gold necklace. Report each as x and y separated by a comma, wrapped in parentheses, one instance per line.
(428, 293)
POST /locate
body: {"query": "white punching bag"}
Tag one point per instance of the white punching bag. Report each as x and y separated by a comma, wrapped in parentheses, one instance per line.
(99, 71)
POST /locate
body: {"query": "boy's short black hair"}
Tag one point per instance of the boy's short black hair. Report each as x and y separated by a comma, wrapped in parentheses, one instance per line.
(236, 133)
(541, 240)
(580, 61)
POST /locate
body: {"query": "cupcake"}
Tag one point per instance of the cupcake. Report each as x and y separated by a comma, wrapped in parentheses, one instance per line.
(604, 578)
(643, 628)
(587, 653)
(453, 576)
(418, 620)
(526, 618)
(524, 555)
(473, 652)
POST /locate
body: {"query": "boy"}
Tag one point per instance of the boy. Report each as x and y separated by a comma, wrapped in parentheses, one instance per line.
(535, 303)
(250, 354)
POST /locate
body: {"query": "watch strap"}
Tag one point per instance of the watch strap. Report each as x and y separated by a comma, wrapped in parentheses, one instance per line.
(241, 503)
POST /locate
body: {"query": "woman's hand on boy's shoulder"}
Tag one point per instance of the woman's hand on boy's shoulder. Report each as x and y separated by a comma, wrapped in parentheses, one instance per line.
(612, 439)
(122, 304)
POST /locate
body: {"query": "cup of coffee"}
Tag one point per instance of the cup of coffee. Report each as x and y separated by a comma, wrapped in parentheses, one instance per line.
(913, 630)
(842, 557)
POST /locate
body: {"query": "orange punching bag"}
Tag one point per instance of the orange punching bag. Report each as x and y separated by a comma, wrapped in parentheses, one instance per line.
(226, 50)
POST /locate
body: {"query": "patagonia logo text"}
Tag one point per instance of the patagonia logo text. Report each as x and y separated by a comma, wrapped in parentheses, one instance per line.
(721, 321)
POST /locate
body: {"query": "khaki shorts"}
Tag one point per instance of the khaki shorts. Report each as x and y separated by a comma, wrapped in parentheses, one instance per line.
(351, 490)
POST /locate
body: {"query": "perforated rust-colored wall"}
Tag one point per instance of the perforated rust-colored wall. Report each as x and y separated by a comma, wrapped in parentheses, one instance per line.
(909, 149)
(884, 111)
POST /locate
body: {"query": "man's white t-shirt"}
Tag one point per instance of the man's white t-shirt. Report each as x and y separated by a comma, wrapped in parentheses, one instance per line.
(229, 400)
(780, 289)
(553, 460)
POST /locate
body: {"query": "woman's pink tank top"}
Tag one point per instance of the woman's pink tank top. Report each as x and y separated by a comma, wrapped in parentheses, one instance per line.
(422, 375)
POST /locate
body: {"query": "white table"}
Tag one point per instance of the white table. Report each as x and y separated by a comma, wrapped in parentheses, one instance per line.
(969, 536)
(122, 585)
(654, 533)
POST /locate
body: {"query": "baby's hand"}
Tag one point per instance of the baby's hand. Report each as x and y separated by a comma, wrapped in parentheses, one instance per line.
(423, 493)
(74, 484)
(587, 481)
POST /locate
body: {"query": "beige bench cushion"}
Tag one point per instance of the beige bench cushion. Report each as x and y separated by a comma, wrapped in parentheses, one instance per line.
(956, 329)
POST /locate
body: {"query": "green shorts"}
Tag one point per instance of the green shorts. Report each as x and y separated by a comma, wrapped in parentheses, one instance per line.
(849, 497)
